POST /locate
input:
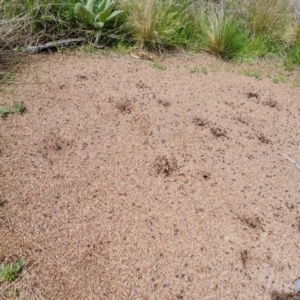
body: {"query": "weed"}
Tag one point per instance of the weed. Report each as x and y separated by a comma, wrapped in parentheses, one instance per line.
(256, 74)
(9, 272)
(296, 83)
(89, 49)
(194, 70)
(15, 292)
(279, 78)
(204, 71)
(9, 77)
(19, 108)
(159, 66)
(122, 47)
(61, 49)
(4, 111)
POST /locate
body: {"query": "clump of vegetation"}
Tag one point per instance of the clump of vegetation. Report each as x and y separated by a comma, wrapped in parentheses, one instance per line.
(9, 272)
(292, 59)
(96, 13)
(4, 111)
(230, 29)
(222, 35)
(18, 108)
(159, 24)
(270, 18)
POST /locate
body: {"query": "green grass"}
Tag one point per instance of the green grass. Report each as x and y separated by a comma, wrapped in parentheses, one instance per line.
(18, 108)
(4, 111)
(279, 78)
(292, 59)
(159, 66)
(194, 70)
(158, 24)
(9, 272)
(204, 71)
(51, 16)
(256, 74)
(239, 29)
(270, 18)
(221, 34)
(9, 77)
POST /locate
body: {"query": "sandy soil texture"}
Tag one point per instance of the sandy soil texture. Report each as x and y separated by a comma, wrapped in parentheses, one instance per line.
(125, 180)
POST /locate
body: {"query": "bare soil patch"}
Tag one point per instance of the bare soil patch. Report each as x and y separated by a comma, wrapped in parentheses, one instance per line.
(123, 181)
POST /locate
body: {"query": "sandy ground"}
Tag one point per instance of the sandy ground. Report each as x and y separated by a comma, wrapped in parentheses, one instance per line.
(125, 181)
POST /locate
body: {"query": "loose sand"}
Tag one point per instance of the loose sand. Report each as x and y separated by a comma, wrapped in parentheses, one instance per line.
(124, 181)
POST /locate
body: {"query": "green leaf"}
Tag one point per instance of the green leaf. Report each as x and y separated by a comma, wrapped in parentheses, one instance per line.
(114, 15)
(101, 6)
(10, 271)
(102, 16)
(89, 5)
(83, 15)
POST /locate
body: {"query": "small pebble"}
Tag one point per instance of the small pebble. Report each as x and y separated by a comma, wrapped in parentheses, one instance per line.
(297, 286)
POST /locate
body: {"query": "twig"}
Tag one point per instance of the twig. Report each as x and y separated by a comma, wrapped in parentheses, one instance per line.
(54, 44)
(291, 161)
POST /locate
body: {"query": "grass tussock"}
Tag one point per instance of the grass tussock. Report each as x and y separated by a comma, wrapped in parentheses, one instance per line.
(270, 18)
(221, 34)
(158, 23)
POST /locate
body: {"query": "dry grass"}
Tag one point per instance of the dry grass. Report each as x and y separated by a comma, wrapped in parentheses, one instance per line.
(270, 17)
(157, 23)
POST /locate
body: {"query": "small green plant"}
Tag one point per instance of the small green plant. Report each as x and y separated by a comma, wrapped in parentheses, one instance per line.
(15, 292)
(89, 49)
(296, 83)
(256, 74)
(95, 13)
(61, 49)
(9, 77)
(159, 66)
(18, 107)
(279, 78)
(204, 71)
(4, 111)
(9, 272)
(194, 70)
